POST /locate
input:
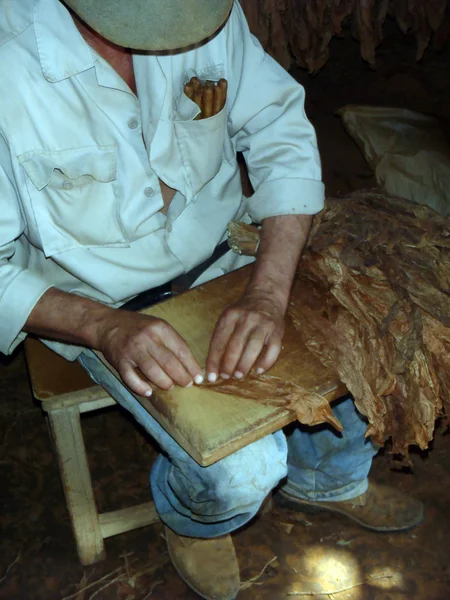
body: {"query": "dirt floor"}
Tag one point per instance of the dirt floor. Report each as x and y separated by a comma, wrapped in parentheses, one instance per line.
(281, 554)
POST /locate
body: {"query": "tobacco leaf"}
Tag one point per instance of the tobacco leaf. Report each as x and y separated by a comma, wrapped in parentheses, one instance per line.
(311, 408)
(369, 17)
(341, 9)
(443, 31)
(399, 11)
(435, 12)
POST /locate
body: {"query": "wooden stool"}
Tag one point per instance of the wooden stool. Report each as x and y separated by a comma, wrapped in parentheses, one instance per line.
(65, 391)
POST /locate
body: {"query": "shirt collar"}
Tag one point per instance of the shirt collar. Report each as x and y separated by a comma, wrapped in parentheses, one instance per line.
(62, 49)
(15, 17)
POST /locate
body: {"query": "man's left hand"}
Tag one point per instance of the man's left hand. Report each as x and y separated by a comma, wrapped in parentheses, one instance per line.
(247, 335)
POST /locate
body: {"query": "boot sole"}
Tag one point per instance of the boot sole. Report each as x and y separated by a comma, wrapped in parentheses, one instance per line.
(291, 503)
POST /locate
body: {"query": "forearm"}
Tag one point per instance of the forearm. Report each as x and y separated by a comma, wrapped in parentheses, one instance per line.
(281, 244)
(249, 333)
(67, 318)
(143, 349)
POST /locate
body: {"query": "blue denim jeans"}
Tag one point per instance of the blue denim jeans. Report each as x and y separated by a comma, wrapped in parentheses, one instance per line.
(207, 502)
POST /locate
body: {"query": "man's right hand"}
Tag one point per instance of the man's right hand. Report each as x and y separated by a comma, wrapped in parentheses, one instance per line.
(146, 350)
(143, 349)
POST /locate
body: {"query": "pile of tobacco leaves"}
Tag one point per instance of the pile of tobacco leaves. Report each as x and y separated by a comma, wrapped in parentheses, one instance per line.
(371, 299)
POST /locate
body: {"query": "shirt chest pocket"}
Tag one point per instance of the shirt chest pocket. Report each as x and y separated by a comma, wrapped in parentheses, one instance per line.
(74, 199)
(204, 144)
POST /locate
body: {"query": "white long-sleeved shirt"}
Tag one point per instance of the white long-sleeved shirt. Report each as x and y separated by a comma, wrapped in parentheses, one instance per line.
(80, 158)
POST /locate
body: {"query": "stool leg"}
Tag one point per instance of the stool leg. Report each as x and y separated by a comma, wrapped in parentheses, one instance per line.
(69, 444)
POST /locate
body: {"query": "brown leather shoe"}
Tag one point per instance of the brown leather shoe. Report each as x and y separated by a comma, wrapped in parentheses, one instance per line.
(208, 566)
(381, 508)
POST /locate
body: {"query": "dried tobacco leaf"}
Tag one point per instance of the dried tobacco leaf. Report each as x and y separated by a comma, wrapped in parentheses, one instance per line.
(243, 238)
(311, 408)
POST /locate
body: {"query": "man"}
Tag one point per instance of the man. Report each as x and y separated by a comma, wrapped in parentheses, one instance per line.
(110, 186)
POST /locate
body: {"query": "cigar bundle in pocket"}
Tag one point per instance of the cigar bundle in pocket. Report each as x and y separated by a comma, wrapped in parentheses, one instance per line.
(209, 96)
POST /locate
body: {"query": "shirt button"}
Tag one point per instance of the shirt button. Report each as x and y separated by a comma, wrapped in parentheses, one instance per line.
(149, 191)
(67, 185)
(133, 123)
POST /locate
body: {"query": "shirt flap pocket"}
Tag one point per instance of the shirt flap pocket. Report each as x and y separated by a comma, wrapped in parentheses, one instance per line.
(98, 162)
(213, 72)
(185, 108)
(73, 194)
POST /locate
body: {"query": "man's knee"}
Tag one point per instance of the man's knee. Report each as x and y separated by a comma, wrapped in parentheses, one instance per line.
(237, 483)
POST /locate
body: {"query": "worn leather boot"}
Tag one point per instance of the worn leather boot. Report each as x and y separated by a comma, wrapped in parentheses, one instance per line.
(381, 508)
(207, 566)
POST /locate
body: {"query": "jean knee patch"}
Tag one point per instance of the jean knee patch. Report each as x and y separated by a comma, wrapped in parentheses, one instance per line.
(238, 481)
(256, 469)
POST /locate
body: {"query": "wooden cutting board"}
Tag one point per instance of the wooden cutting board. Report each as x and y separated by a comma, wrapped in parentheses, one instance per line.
(210, 425)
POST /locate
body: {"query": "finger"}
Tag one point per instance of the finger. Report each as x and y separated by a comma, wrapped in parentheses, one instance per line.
(234, 350)
(137, 384)
(156, 373)
(177, 345)
(270, 355)
(189, 90)
(207, 102)
(251, 352)
(217, 346)
(164, 369)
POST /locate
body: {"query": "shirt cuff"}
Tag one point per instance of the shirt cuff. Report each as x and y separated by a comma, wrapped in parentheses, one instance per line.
(286, 197)
(16, 304)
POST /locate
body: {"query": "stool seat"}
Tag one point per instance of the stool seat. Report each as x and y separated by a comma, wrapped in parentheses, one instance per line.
(65, 391)
(51, 375)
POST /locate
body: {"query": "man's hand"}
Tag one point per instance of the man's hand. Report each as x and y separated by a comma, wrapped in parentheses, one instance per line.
(143, 349)
(146, 350)
(247, 335)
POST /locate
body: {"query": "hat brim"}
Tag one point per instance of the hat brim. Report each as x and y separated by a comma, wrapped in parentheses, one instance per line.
(153, 25)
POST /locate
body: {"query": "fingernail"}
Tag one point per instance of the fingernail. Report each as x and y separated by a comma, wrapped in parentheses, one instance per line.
(199, 379)
(148, 393)
(238, 375)
(190, 384)
(260, 370)
(212, 377)
(224, 376)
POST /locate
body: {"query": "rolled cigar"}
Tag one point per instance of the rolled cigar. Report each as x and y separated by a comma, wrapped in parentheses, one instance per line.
(189, 90)
(196, 83)
(217, 99)
(197, 98)
(207, 101)
(223, 86)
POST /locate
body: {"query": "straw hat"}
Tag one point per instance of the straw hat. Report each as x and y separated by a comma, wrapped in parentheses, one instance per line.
(154, 25)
